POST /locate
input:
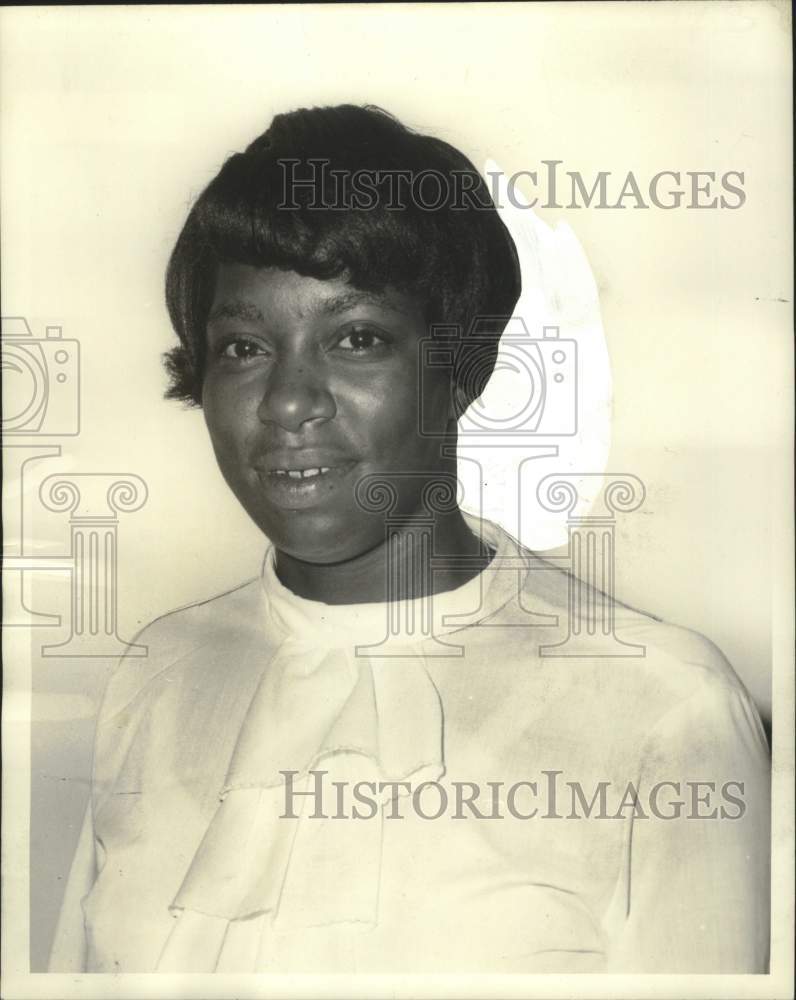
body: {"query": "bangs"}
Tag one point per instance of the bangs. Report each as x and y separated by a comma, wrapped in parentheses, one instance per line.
(261, 212)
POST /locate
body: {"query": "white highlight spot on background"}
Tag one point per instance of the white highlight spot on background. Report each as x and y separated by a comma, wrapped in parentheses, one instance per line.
(551, 388)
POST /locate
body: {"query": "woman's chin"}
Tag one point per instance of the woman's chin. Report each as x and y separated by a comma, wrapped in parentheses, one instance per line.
(327, 544)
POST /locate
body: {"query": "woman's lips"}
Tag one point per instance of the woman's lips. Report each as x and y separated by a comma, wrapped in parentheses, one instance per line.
(286, 488)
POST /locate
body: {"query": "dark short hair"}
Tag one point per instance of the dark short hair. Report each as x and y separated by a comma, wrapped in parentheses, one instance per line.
(455, 254)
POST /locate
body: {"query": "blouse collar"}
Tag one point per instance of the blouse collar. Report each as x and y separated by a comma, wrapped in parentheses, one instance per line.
(333, 625)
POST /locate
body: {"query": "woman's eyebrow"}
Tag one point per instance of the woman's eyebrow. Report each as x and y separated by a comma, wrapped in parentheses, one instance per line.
(357, 297)
(237, 309)
(248, 311)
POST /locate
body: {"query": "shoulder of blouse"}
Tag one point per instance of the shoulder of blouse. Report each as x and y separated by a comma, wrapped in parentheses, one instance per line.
(672, 665)
(221, 622)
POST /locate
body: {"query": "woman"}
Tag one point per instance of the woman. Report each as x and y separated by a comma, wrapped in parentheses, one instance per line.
(362, 761)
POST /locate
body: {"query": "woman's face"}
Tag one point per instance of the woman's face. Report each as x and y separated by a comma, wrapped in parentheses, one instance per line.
(309, 386)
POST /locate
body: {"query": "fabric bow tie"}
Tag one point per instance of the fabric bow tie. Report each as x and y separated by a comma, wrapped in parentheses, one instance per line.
(379, 720)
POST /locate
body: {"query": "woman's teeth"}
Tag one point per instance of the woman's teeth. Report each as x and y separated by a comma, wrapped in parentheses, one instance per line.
(301, 473)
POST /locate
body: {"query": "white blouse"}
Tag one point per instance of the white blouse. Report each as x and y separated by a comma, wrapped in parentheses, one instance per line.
(283, 785)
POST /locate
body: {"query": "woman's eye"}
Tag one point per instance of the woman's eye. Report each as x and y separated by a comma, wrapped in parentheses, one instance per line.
(360, 341)
(241, 349)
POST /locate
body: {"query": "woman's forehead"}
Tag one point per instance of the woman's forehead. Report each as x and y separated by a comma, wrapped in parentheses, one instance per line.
(245, 292)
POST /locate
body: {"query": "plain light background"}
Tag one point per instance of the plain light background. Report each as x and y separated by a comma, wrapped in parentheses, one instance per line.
(114, 119)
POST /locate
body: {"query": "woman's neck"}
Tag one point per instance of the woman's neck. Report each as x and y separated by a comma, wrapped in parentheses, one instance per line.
(394, 571)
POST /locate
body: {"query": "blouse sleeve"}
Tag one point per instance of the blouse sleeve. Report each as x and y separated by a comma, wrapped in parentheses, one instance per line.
(68, 953)
(694, 892)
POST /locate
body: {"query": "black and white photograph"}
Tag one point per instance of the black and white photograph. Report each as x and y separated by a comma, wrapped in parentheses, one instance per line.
(398, 500)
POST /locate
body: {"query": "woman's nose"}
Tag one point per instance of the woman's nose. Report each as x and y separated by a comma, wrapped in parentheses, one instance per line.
(295, 395)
